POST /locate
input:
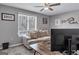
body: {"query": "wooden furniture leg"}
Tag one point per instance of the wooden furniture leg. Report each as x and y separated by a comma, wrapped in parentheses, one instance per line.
(34, 52)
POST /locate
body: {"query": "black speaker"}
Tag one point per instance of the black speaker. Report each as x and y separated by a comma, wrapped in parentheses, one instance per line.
(5, 45)
(68, 43)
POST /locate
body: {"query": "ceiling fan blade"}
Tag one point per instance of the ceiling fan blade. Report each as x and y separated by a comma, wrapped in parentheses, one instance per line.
(55, 4)
(42, 9)
(38, 6)
(51, 9)
(46, 4)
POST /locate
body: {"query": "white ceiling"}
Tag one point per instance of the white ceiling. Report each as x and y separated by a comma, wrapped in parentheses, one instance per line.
(64, 7)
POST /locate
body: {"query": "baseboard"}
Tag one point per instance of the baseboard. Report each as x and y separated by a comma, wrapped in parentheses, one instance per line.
(14, 45)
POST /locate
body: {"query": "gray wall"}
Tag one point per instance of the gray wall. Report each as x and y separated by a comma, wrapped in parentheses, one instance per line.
(9, 29)
(64, 16)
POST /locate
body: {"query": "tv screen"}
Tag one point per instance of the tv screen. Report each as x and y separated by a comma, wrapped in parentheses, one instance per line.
(59, 38)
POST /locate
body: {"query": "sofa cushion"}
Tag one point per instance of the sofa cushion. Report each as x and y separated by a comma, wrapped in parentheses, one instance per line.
(33, 35)
(38, 34)
(45, 33)
(42, 33)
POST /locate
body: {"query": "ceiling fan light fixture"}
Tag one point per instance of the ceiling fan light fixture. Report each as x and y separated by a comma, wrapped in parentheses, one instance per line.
(46, 8)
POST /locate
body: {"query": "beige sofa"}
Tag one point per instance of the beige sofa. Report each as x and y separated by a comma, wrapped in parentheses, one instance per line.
(35, 37)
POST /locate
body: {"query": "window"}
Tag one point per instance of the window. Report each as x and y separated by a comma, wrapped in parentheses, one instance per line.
(32, 23)
(26, 23)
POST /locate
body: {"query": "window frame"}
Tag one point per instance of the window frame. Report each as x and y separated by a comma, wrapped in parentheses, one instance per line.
(27, 26)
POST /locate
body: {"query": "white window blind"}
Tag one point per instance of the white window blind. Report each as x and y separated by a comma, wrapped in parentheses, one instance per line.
(26, 23)
(32, 23)
(22, 22)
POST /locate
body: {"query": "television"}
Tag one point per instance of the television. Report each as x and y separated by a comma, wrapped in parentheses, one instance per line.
(59, 39)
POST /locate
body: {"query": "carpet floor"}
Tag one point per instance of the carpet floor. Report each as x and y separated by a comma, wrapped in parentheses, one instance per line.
(19, 50)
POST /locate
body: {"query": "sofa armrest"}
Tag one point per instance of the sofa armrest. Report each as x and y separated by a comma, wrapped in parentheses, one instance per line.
(28, 38)
(42, 39)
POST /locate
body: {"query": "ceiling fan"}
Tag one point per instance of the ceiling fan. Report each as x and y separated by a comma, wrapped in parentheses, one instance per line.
(48, 6)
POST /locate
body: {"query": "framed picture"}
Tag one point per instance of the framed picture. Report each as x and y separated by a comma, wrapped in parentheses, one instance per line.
(45, 21)
(7, 17)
